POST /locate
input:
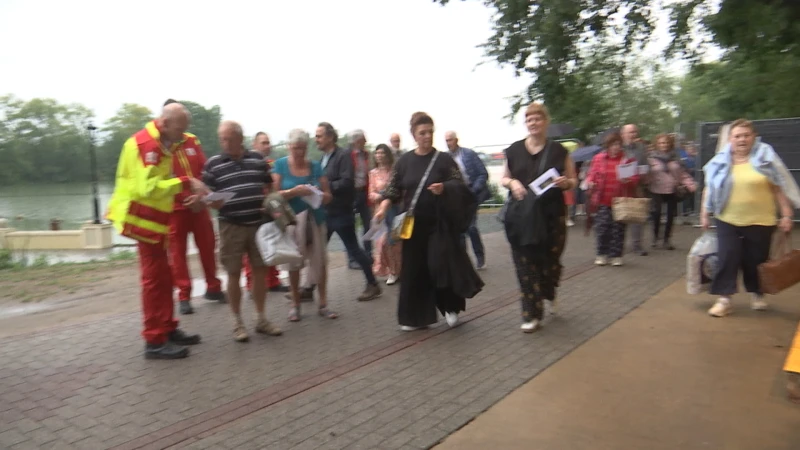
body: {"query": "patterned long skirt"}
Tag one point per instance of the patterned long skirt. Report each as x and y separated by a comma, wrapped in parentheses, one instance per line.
(610, 234)
(539, 271)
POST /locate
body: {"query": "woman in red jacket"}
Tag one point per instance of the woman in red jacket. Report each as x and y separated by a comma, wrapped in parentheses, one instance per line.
(604, 182)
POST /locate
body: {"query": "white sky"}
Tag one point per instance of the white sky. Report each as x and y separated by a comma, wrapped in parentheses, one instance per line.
(271, 65)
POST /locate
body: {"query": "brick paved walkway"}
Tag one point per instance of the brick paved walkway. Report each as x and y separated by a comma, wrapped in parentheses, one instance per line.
(356, 382)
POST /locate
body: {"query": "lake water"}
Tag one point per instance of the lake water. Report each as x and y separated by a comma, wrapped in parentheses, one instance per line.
(31, 207)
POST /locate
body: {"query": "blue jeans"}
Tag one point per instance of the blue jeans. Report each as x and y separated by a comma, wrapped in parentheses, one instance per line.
(345, 227)
(365, 212)
(474, 236)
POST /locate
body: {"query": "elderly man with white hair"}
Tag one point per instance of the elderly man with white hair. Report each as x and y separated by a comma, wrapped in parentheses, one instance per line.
(140, 209)
(245, 174)
(361, 207)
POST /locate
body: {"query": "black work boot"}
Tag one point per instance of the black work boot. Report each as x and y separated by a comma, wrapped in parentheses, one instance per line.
(181, 338)
(185, 307)
(215, 296)
(167, 350)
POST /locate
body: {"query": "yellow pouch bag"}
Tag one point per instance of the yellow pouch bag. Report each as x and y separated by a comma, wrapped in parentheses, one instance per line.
(403, 224)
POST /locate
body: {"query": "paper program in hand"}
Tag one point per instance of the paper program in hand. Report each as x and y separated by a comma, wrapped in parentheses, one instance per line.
(216, 196)
(544, 182)
(376, 230)
(315, 199)
(625, 171)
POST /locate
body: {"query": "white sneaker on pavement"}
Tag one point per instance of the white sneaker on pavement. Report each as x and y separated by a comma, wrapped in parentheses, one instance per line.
(391, 280)
(530, 327)
(721, 308)
(757, 303)
(451, 318)
(601, 261)
(616, 262)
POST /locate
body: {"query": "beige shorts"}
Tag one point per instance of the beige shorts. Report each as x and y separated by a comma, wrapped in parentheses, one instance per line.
(236, 241)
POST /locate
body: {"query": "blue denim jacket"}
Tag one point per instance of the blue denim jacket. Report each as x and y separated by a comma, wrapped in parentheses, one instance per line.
(718, 178)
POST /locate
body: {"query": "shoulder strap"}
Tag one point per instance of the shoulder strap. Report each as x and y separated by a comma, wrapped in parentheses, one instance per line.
(543, 161)
(422, 183)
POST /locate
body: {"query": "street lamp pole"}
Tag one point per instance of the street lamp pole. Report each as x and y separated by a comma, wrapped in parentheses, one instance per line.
(93, 161)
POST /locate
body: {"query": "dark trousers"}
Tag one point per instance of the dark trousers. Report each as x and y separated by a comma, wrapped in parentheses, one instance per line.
(475, 236)
(672, 210)
(740, 248)
(610, 234)
(365, 212)
(345, 227)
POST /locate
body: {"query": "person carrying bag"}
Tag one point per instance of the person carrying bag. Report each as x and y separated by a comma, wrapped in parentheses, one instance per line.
(403, 224)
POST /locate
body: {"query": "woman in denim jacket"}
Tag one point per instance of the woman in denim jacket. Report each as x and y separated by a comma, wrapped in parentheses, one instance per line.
(746, 183)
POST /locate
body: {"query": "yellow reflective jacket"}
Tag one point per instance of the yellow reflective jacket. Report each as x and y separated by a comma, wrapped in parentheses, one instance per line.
(145, 187)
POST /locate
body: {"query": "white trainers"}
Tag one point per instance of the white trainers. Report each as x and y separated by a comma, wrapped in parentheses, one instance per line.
(616, 262)
(451, 318)
(570, 223)
(721, 308)
(530, 327)
(757, 303)
(601, 261)
(410, 328)
(554, 307)
(391, 280)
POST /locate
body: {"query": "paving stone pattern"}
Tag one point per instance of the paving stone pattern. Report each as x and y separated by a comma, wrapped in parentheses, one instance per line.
(354, 382)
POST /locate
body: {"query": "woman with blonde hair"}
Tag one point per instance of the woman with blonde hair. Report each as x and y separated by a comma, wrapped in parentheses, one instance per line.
(536, 225)
(747, 189)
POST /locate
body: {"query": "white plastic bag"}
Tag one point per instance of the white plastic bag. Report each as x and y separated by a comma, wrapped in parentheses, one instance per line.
(277, 247)
(701, 263)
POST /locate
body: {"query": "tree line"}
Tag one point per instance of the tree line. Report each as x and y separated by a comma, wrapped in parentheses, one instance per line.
(43, 141)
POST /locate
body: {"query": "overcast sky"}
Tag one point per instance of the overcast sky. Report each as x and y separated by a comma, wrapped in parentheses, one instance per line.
(271, 65)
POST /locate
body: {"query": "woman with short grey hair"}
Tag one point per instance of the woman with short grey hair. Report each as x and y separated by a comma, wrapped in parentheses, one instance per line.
(293, 177)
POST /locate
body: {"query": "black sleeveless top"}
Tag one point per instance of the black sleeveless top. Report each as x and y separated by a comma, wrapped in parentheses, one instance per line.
(525, 167)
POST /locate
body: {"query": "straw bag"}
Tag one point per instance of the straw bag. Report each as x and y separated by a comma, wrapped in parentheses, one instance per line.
(783, 271)
(630, 209)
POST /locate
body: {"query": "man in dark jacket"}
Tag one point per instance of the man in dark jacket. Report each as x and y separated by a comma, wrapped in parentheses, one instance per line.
(475, 176)
(337, 164)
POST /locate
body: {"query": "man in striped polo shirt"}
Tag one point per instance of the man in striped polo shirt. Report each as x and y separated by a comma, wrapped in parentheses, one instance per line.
(246, 174)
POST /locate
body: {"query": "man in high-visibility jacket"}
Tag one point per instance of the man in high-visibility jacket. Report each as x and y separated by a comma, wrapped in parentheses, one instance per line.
(262, 145)
(140, 209)
(187, 161)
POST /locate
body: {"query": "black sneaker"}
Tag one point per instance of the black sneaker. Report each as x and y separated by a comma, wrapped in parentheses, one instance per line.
(279, 288)
(185, 307)
(354, 265)
(167, 350)
(215, 296)
(181, 338)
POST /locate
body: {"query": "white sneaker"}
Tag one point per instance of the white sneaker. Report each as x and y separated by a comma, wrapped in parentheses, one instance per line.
(409, 328)
(601, 261)
(616, 262)
(570, 223)
(530, 327)
(391, 280)
(451, 318)
(721, 308)
(554, 307)
(757, 303)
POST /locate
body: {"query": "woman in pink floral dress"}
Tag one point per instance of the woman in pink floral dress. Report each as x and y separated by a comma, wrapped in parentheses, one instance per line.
(388, 253)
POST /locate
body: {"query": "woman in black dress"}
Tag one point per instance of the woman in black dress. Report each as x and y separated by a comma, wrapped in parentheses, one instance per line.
(436, 271)
(536, 226)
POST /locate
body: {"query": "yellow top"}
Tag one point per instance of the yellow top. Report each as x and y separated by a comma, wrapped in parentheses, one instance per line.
(752, 201)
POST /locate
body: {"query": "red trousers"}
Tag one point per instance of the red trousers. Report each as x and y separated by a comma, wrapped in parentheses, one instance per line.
(157, 306)
(271, 278)
(181, 223)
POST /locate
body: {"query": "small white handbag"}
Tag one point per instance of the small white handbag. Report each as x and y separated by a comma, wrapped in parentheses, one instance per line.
(277, 247)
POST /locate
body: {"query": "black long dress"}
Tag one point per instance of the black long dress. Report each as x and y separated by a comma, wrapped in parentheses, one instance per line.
(419, 298)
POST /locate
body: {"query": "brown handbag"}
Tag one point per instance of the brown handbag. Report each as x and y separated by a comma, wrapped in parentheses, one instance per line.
(783, 270)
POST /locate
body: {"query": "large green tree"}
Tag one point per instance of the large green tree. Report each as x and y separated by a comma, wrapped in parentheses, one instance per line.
(205, 122)
(557, 44)
(129, 119)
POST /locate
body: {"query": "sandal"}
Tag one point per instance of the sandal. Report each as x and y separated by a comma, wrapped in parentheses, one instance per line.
(325, 312)
(294, 315)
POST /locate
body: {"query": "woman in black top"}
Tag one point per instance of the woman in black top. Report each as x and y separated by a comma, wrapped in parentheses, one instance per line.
(436, 271)
(536, 226)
